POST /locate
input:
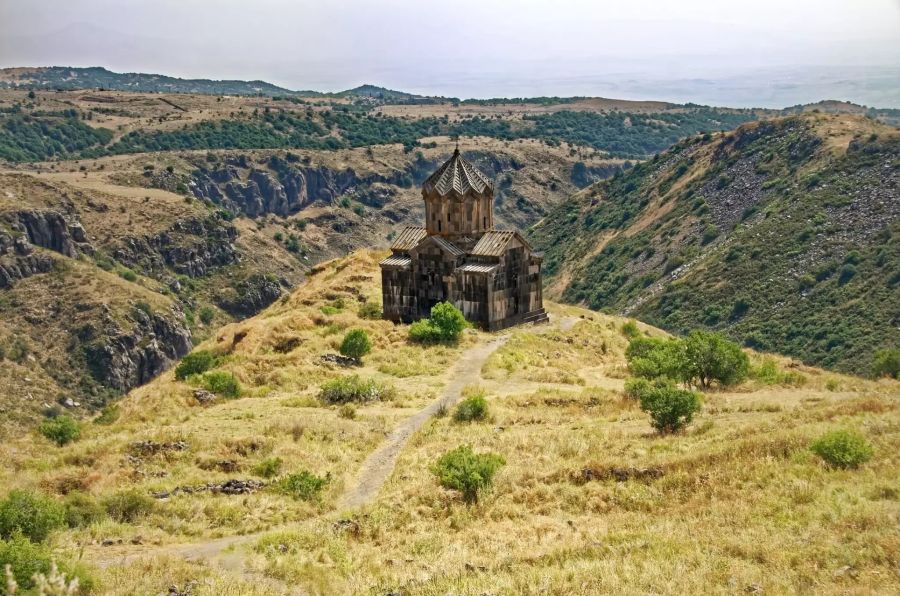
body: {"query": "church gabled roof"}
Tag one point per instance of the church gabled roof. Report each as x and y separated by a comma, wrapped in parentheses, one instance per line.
(457, 175)
(408, 238)
(493, 243)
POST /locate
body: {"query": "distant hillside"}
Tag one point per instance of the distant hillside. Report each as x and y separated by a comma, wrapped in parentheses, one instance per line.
(64, 77)
(784, 234)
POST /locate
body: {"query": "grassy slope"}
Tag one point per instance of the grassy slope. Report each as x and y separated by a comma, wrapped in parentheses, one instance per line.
(741, 501)
(782, 234)
(115, 199)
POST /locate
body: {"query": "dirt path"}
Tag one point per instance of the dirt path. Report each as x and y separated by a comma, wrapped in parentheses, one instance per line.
(379, 465)
(225, 552)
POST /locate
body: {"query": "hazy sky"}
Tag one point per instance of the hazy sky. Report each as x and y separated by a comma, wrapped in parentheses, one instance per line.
(713, 51)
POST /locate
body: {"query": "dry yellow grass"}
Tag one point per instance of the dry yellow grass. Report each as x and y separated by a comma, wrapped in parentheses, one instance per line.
(735, 503)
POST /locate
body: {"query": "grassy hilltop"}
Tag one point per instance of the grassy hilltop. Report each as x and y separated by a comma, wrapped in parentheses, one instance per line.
(590, 499)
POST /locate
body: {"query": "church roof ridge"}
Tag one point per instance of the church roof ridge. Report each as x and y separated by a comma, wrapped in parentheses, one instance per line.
(457, 175)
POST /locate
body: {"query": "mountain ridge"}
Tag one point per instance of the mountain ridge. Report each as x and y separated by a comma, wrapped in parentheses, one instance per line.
(782, 233)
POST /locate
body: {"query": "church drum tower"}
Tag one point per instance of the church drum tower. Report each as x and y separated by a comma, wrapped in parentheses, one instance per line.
(492, 276)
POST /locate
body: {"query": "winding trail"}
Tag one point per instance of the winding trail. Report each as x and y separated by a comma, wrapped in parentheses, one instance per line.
(374, 471)
(378, 466)
(372, 474)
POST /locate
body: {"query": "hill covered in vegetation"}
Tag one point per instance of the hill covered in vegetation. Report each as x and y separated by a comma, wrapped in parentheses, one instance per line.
(232, 473)
(66, 77)
(783, 234)
(111, 268)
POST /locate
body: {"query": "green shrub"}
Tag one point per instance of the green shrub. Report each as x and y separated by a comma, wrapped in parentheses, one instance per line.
(302, 485)
(222, 383)
(768, 372)
(710, 357)
(82, 510)
(29, 514)
(709, 234)
(635, 387)
(424, 332)
(128, 506)
(370, 310)
(26, 560)
(448, 320)
(740, 308)
(195, 363)
(630, 329)
(474, 407)
(61, 430)
(268, 468)
(128, 275)
(353, 389)
(887, 363)
(670, 407)
(17, 350)
(108, 415)
(207, 314)
(843, 448)
(445, 324)
(652, 358)
(806, 281)
(468, 472)
(356, 344)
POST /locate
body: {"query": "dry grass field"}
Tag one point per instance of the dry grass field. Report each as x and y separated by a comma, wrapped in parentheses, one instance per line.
(591, 499)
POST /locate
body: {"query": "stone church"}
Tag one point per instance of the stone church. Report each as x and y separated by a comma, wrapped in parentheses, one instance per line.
(492, 276)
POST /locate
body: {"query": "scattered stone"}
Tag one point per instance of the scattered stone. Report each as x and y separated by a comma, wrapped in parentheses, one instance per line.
(229, 487)
(286, 345)
(618, 474)
(339, 360)
(144, 448)
(203, 396)
(347, 525)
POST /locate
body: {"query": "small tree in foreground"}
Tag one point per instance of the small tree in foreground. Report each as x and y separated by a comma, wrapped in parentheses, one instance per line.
(466, 471)
(843, 448)
(670, 407)
(356, 344)
(61, 430)
(710, 357)
(446, 323)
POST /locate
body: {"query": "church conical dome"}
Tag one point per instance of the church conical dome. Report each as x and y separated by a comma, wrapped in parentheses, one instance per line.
(458, 176)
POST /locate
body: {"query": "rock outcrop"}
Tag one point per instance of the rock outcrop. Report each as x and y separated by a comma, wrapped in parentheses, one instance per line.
(123, 359)
(250, 296)
(62, 233)
(281, 188)
(19, 260)
(191, 247)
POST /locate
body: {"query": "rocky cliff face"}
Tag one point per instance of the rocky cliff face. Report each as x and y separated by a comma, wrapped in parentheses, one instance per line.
(54, 230)
(282, 189)
(191, 247)
(18, 260)
(123, 359)
(121, 346)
